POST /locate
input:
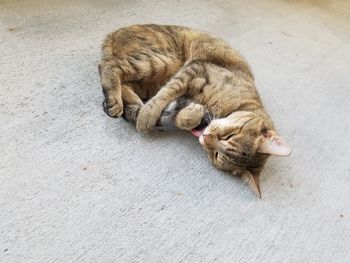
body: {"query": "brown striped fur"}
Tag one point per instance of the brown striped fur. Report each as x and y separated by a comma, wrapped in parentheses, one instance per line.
(159, 64)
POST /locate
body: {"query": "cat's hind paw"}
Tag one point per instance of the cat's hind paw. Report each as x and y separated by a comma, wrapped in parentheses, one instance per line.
(114, 111)
(131, 111)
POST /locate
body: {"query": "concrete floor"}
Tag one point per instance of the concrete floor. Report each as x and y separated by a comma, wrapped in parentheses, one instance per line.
(78, 186)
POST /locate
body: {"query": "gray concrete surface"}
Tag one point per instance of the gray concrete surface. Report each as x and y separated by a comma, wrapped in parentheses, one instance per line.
(77, 186)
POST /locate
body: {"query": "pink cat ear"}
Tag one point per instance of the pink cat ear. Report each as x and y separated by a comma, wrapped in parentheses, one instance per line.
(253, 182)
(273, 144)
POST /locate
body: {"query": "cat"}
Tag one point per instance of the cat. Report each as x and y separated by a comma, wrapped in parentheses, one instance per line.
(145, 69)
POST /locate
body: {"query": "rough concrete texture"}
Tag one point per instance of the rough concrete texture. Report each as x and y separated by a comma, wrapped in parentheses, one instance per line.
(78, 186)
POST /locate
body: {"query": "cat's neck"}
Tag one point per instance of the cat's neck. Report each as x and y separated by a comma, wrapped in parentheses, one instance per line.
(259, 110)
(254, 106)
(235, 91)
(243, 105)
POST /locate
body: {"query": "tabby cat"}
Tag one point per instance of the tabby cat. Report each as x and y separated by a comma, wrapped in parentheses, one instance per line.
(150, 70)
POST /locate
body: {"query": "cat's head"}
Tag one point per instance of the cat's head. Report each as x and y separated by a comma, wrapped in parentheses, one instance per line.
(241, 144)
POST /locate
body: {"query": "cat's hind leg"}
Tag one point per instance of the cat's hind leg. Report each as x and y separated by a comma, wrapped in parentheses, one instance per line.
(131, 101)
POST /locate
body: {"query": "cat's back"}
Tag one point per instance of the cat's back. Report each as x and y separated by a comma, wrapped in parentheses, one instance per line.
(151, 53)
(143, 39)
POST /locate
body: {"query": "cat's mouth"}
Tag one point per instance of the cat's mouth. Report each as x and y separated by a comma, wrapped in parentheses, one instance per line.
(198, 131)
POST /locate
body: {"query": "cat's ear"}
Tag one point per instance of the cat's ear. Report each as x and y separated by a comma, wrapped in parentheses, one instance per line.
(253, 182)
(273, 144)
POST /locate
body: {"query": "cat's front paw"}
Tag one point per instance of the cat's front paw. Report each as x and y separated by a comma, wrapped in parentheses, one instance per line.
(189, 117)
(147, 118)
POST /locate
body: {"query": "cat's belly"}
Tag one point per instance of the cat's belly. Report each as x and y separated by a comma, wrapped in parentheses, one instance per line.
(160, 72)
(218, 101)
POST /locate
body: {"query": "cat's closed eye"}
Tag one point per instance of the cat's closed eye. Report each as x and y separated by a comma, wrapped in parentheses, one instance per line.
(227, 137)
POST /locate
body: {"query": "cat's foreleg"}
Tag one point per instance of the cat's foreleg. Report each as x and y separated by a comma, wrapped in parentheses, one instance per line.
(177, 86)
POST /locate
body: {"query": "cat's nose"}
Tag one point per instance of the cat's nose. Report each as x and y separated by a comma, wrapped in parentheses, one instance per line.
(208, 140)
(207, 136)
(203, 139)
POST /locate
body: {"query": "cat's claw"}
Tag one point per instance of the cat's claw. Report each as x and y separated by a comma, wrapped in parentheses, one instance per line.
(131, 111)
(147, 119)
